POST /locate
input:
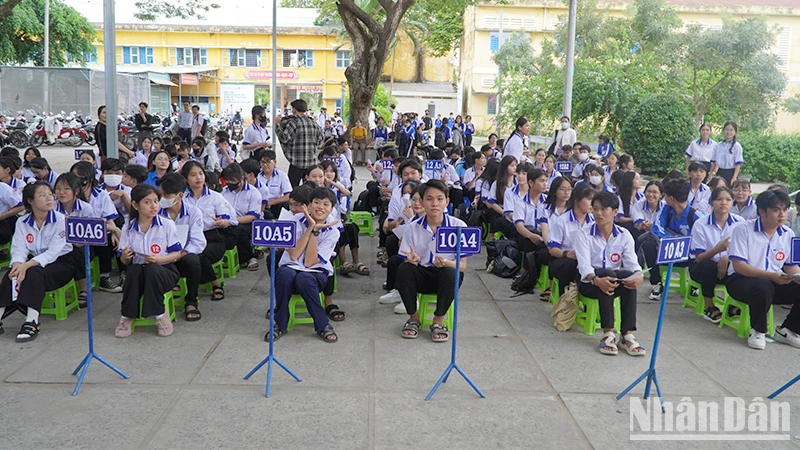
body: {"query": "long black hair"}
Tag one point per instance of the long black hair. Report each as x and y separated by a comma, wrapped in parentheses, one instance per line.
(626, 191)
(502, 177)
(489, 174)
(35, 151)
(521, 121)
(74, 182)
(735, 132)
(581, 191)
(85, 170)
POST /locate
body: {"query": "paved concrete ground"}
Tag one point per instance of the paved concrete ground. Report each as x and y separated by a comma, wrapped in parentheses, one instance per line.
(544, 388)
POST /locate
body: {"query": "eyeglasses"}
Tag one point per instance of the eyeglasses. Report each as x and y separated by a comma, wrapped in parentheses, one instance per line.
(564, 189)
(742, 190)
(161, 159)
(45, 197)
(63, 189)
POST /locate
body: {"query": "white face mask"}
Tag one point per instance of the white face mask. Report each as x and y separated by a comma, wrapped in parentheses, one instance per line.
(112, 180)
(167, 202)
(583, 156)
(594, 180)
(564, 125)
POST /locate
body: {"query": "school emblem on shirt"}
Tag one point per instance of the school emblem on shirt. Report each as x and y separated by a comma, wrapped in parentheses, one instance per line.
(615, 257)
(29, 238)
(780, 256)
(155, 249)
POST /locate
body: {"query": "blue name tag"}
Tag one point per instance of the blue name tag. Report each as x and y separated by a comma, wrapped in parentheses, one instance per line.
(387, 164)
(86, 231)
(564, 166)
(674, 250)
(279, 234)
(432, 164)
(795, 259)
(79, 151)
(447, 240)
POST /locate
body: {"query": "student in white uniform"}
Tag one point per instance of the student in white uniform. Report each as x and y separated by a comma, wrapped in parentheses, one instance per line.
(564, 262)
(225, 153)
(246, 203)
(69, 203)
(761, 271)
(528, 214)
(702, 150)
(424, 271)
(149, 247)
(40, 259)
(217, 218)
(515, 144)
(10, 174)
(256, 136)
(276, 186)
(189, 224)
(41, 171)
(728, 155)
(699, 192)
(447, 174)
(11, 206)
(113, 172)
(608, 269)
(30, 154)
(506, 179)
(550, 170)
(743, 203)
(469, 181)
(142, 157)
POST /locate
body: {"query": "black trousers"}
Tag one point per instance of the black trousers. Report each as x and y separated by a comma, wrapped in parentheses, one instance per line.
(541, 255)
(189, 267)
(649, 247)
(760, 294)
(627, 300)
(214, 251)
(185, 134)
(391, 271)
(373, 195)
(296, 175)
(382, 234)
(349, 236)
(726, 174)
(565, 270)
(414, 279)
(467, 140)
(501, 224)
(7, 227)
(38, 280)
(79, 259)
(229, 236)
(392, 245)
(244, 236)
(705, 273)
(149, 282)
(456, 197)
(274, 211)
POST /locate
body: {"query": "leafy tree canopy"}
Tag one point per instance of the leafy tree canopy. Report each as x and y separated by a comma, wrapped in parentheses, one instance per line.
(184, 9)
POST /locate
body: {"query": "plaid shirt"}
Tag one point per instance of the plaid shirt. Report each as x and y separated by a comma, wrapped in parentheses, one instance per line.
(300, 137)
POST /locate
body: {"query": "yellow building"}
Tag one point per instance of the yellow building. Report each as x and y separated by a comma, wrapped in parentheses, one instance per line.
(221, 61)
(540, 18)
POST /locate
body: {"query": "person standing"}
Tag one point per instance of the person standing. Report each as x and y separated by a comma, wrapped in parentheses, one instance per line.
(564, 136)
(323, 116)
(300, 137)
(197, 122)
(185, 123)
(143, 122)
(701, 150)
(256, 136)
(125, 154)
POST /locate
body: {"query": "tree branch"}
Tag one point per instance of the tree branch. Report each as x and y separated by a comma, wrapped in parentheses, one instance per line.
(365, 18)
(7, 8)
(386, 4)
(394, 16)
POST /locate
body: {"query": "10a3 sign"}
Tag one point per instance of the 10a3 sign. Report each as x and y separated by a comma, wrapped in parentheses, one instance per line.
(674, 250)
(277, 234)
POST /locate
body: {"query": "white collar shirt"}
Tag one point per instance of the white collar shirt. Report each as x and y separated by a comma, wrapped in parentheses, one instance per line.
(212, 204)
(514, 146)
(594, 252)
(553, 175)
(748, 212)
(706, 233)
(326, 242)
(159, 240)
(118, 203)
(640, 211)
(452, 175)
(185, 119)
(254, 134)
(531, 214)
(102, 204)
(9, 198)
(245, 202)
(17, 185)
(422, 237)
(564, 227)
(79, 209)
(749, 243)
(189, 225)
(46, 244)
(621, 212)
(728, 155)
(344, 169)
(701, 152)
(700, 199)
(276, 186)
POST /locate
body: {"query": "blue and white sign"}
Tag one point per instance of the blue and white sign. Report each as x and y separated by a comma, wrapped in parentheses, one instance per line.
(278, 234)
(432, 164)
(674, 250)
(795, 258)
(564, 166)
(447, 240)
(81, 230)
(79, 151)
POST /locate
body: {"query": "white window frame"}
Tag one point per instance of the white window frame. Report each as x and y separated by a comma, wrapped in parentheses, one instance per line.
(343, 62)
(135, 55)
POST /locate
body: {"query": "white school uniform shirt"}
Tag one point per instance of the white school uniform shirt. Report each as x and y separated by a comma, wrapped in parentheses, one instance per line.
(621, 211)
(189, 225)
(27, 175)
(609, 173)
(253, 134)
(484, 187)
(140, 158)
(395, 182)
(700, 199)
(640, 211)
(277, 186)
(102, 204)
(727, 155)
(9, 198)
(223, 162)
(555, 174)
(211, 204)
(17, 185)
(344, 169)
(245, 202)
(118, 203)
(700, 152)
(159, 240)
(577, 169)
(470, 175)
(706, 234)
(551, 214)
(208, 157)
(46, 244)
(748, 212)
(396, 206)
(491, 196)
(51, 179)
(326, 242)
(751, 244)
(529, 213)
(514, 146)
(594, 252)
(422, 237)
(564, 227)
(452, 176)
(79, 209)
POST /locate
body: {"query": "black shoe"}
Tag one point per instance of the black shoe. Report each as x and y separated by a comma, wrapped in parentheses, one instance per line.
(1, 329)
(386, 287)
(28, 332)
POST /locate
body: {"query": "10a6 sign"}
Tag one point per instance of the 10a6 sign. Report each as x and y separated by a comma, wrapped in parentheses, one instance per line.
(447, 240)
(278, 234)
(86, 231)
(674, 250)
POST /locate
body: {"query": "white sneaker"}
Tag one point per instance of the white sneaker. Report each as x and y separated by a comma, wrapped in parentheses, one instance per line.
(655, 292)
(757, 340)
(787, 336)
(400, 308)
(391, 297)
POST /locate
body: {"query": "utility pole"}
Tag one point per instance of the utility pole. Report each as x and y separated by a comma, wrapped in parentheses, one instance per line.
(569, 68)
(47, 33)
(110, 55)
(499, 75)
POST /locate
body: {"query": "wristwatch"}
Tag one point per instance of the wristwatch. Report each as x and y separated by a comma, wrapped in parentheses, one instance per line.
(315, 232)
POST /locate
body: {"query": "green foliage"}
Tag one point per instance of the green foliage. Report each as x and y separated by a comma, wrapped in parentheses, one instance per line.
(184, 9)
(381, 102)
(771, 158)
(657, 131)
(22, 34)
(515, 56)
(792, 104)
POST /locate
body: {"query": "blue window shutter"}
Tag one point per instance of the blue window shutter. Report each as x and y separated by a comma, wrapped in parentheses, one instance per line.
(494, 42)
(142, 55)
(126, 55)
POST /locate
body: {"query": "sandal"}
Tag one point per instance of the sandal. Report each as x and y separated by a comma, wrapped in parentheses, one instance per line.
(545, 296)
(218, 293)
(361, 269)
(713, 314)
(83, 300)
(326, 333)
(28, 332)
(275, 335)
(192, 315)
(334, 313)
(631, 346)
(734, 311)
(440, 329)
(347, 268)
(608, 344)
(411, 325)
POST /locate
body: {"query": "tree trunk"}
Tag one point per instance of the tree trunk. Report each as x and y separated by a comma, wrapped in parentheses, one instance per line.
(7, 8)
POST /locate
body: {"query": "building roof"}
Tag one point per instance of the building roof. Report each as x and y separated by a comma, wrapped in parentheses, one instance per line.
(759, 3)
(231, 13)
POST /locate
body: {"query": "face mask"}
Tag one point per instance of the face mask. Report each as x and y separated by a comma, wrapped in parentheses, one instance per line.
(594, 179)
(112, 180)
(233, 186)
(564, 125)
(167, 202)
(583, 156)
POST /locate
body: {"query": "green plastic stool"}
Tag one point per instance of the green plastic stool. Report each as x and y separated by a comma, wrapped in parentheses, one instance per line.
(544, 279)
(697, 301)
(298, 306)
(426, 304)
(363, 220)
(169, 306)
(589, 316)
(554, 292)
(230, 262)
(55, 301)
(742, 323)
(179, 297)
(683, 273)
(6, 262)
(220, 271)
(336, 275)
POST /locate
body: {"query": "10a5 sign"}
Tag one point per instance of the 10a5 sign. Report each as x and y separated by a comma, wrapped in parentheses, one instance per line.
(86, 231)
(447, 240)
(277, 234)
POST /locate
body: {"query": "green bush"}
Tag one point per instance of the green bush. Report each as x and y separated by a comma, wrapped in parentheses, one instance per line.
(771, 158)
(381, 102)
(657, 132)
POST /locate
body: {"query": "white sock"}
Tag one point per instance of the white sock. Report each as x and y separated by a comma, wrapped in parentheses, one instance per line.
(33, 315)
(160, 315)
(123, 318)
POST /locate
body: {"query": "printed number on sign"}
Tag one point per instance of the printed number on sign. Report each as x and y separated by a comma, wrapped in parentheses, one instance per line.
(86, 231)
(433, 164)
(272, 234)
(449, 240)
(673, 250)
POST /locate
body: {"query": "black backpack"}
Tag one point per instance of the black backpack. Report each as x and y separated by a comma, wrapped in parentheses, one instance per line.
(525, 283)
(502, 256)
(428, 122)
(438, 140)
(362, 203)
